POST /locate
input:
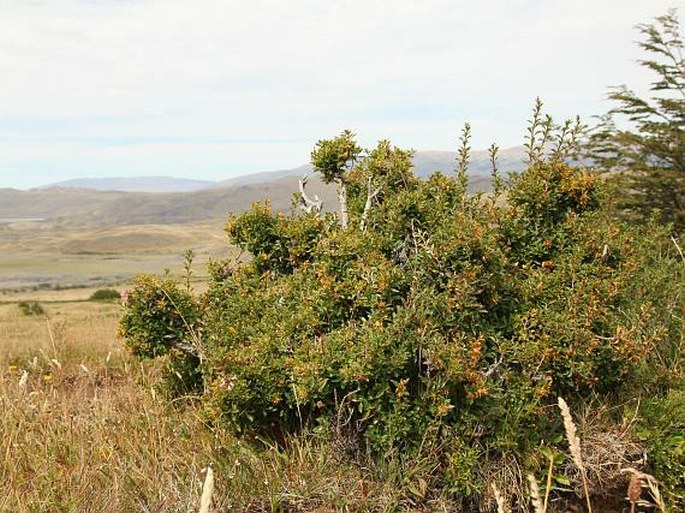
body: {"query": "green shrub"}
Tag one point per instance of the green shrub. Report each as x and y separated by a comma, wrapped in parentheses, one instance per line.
(662, 428)
(162, 320)
(435, 322)
(31, 308)
(105, 295)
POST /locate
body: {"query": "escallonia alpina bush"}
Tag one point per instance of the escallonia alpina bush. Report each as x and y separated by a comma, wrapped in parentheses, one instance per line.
(421, 318)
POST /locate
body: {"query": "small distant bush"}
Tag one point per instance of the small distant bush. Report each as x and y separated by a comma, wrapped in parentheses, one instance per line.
(105, 295)
(31, 308)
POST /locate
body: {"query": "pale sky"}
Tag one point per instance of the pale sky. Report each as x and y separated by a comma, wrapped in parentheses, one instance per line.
(212, 89)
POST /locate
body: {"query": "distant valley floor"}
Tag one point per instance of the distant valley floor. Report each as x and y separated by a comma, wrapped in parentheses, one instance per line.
(42, 256)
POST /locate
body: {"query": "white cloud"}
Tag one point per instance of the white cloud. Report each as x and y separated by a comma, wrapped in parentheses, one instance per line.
(297, 71)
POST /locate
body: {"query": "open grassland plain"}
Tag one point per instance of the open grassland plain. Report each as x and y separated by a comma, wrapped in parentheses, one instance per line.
(81, 430)
(46, 256)
(85, 430)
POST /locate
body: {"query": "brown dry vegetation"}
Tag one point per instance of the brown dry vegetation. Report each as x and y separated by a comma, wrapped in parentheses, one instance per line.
(83, 431)
(86, 431)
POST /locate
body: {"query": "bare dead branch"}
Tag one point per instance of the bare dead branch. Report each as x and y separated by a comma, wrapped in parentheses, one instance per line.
(341, 183)
(370, 196)
(308, 204)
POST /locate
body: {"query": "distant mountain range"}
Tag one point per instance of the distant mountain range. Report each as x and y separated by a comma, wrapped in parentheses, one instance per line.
(425, 163)
(129, 201)
(133, 184)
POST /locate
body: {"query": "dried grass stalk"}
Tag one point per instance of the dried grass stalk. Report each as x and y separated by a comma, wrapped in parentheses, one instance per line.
(571, 436)
(207, 489)
(634, 491)
(501, 505)
(574, 447)
(23, 382)
(639, 481)
(535, 494)
(548, 487)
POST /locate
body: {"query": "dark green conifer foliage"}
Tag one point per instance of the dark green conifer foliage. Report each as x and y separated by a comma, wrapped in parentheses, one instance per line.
(643, 139)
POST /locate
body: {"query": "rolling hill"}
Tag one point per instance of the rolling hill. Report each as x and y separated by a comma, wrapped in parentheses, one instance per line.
(133, 184)
(78, 206)
(425, 163)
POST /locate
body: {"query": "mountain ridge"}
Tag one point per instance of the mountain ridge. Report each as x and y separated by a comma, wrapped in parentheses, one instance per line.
(425, 162)
(79, 207)
(132, 184)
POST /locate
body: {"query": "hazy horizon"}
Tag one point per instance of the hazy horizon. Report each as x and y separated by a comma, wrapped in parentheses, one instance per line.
(214, 89)
(78, 182)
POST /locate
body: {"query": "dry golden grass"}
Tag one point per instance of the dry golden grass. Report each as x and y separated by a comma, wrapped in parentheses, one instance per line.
(574, 447)
(86, 431)
(535, 498)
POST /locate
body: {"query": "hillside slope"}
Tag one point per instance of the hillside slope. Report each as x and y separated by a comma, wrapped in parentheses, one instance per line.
(90, 208)
(133, 184)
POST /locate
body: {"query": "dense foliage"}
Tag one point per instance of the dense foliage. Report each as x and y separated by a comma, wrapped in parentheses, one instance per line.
(433, 323)
(642, 139)
(105, 295)
(31, 308)
(162, 320)
(662, 428)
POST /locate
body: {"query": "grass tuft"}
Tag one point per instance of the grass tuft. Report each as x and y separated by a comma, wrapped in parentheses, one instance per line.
(574, 447)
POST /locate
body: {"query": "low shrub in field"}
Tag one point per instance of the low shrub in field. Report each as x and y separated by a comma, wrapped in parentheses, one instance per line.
(162, 321)
(428, 322)
(105, 295)
(31, 308)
